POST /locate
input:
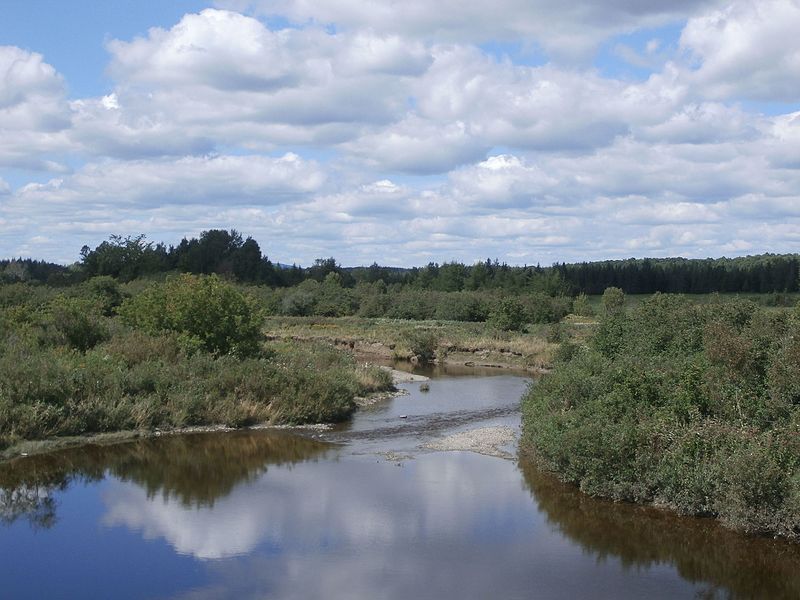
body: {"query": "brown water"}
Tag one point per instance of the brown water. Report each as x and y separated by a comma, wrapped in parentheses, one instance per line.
(362, 511)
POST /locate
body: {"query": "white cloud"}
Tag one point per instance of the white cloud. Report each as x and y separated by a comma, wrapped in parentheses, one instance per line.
(33, 110)
(565, 30)
(466, 103)
(162, 197)
(503, 181)
(545, 108)
(707, 122)
(748, 49)
(427, 146)
(222, 78)
(191, 180)
(417, 145)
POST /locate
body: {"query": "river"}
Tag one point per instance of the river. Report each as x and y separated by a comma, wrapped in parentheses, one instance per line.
(376, 508)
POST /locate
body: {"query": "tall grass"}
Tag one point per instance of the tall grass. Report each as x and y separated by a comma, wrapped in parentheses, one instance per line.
(66, 369)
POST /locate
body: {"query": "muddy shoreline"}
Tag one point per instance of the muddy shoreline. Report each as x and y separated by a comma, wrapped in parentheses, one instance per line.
(381, 353)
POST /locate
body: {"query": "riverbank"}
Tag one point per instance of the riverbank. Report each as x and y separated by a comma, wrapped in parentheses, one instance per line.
(35, 447)
(683, 405)
(224, 503)
(137, 382)
(454, 342)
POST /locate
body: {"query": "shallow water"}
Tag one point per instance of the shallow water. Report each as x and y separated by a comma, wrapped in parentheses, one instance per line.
(358, 512)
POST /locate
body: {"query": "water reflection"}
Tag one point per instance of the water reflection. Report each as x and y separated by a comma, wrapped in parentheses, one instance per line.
(701, 550)
(354, 504)
(272, 514)
(194, 470)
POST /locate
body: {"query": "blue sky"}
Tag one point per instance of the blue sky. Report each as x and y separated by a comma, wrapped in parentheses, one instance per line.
(72, 33)
(403, 133)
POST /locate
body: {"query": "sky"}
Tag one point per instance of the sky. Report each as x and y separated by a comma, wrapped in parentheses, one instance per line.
(532, 131)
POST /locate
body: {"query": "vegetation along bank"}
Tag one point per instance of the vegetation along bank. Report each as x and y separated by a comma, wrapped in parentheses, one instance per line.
(186, 352)
(691, 402)
(693, 406)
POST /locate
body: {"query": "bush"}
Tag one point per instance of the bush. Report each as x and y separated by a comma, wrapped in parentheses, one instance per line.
(333, 300)
(301, 300)
(692, 406)
(106, 292)
(613, 300)
(422, 343)
(411, 304)
(75, 322)
(582, 307)
(541, 308)
(137, 380)
(508, 315)
(460, 306)
(207, 313)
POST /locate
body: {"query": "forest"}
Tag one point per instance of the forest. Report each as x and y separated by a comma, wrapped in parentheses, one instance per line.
(229, 254)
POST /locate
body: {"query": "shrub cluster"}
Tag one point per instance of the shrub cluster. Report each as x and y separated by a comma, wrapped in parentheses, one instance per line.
(689, 405)
(188, 352)
(206, 312)
(375, 300)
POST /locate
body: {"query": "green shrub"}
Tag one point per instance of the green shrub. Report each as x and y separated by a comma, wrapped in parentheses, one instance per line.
(541, 308)
(333, 300)
(138, 380)
(411, 304)
(613, 300)
(75, 322)
(301, 301)
(460, 306)
(422, 343)
(373, 306)
(582, 307)
(508, 315)
(693, 406)
(106, 292)
(205, 311)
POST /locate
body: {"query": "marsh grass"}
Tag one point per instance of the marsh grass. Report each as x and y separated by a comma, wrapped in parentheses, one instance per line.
(454, 341)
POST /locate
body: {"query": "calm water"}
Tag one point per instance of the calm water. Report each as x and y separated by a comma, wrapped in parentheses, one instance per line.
(361, 512)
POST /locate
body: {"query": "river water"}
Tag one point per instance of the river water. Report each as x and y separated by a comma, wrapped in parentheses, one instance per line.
(367, 510)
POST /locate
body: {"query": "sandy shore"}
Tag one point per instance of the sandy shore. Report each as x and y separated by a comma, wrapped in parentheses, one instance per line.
(483, 440)
(404, 377)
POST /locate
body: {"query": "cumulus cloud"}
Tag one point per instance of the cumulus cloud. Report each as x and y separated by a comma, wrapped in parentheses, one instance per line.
(225, 78)
(190, 180)
(566, 30)
(467, 103)
(702, 123)
(747, 50)
(427, 145)
(33, 110)
(172, 197)
(538, 107)
(417, 145)
(503, 181)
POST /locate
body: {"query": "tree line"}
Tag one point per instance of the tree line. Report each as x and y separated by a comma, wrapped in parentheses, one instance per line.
(231, 255)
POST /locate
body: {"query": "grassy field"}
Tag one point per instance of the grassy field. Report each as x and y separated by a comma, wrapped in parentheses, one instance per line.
(454, 342)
